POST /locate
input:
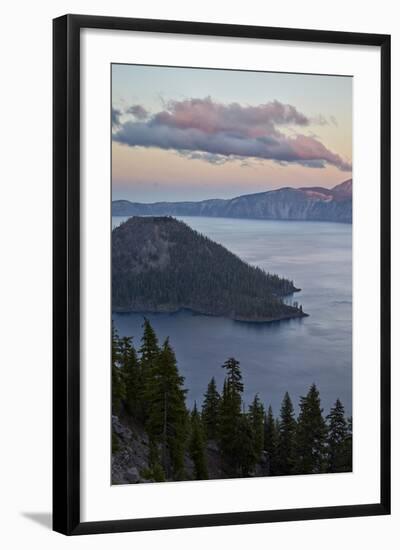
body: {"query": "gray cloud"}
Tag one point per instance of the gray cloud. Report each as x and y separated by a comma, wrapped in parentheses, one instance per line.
(216, 131)
(115, 114)
(138, 112)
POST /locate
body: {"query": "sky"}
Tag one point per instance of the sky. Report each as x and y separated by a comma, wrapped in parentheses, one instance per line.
(192, 134)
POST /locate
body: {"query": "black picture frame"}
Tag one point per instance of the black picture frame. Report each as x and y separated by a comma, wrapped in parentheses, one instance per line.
(66, 272)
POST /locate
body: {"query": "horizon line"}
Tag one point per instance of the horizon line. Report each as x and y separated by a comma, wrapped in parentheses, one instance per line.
(245, 194)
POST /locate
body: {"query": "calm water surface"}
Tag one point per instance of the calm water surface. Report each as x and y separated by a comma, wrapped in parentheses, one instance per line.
(275, 357)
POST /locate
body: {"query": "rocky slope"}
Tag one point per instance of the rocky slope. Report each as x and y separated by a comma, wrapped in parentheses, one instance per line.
(305, 203)
(130, 457)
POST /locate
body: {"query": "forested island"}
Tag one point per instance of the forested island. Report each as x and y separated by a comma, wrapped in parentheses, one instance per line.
(160, 264)
(156, 437)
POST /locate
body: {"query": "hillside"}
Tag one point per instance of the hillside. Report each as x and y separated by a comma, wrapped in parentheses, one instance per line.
(131, 457)
(159, 264)
(287, 203)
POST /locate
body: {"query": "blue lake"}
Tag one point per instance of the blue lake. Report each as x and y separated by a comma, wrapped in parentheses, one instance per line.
(275, 357)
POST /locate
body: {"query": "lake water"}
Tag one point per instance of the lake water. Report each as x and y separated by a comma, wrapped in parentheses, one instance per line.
(275, 357)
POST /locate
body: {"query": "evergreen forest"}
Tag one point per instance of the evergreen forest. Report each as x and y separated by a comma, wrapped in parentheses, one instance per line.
(219, 437)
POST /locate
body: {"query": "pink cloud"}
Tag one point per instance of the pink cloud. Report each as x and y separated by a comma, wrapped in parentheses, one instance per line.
(228, 131)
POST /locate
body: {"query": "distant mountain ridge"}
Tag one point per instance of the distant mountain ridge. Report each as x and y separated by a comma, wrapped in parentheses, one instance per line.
(160, 264)
(287, 203)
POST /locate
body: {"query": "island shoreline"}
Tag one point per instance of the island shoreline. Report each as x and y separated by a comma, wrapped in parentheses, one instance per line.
(287, 317)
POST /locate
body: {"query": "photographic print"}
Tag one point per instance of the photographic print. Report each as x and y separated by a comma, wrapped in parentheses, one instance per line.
(231, 274)
(218, 322)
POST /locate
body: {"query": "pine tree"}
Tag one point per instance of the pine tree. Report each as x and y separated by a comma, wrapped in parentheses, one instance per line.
(246, 455)
(149, 349)
(131, 375)
(149, 352)
(349, 445)
(286, 438)
(233, 375)
(197, 445)
(210, 410)
(117, 383)
(270, 440)
(310, 435)
(256, 417)
(155, 471)
(338, 452)
(229, 415)
(166, 411)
